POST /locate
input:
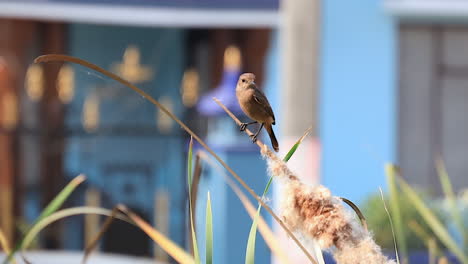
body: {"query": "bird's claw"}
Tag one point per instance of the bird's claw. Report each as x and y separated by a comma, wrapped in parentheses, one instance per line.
(243, 126)
(253, 138)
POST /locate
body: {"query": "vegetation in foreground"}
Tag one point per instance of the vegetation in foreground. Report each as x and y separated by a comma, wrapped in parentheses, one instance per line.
(313, 212)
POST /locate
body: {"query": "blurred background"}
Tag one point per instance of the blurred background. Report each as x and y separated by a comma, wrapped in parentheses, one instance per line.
(378, 80)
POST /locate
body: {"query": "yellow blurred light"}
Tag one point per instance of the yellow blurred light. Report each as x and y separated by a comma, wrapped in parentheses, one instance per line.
(130, 67)
(90, 116)
(232, 57)
(190, 91)
(35, 82)
(163, 121)
(9, 117)
(66, 84)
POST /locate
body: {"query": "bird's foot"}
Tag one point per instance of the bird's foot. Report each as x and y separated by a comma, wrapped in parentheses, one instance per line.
(243, 126)
(253, 138)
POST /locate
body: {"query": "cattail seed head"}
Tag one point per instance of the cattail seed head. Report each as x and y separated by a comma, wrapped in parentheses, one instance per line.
(316, 214)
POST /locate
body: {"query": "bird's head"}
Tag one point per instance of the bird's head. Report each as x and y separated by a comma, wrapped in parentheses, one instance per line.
(246, 80)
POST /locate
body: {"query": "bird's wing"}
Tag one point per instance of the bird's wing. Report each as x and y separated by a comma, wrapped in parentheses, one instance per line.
(261, 99)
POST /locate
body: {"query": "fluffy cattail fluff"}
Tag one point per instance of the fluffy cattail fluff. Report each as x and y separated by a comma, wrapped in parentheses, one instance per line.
(316, 214)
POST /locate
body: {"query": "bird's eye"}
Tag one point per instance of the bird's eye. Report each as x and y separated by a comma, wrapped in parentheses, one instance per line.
(243, 80)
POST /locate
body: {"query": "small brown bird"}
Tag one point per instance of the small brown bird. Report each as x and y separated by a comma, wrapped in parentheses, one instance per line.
(256, 106)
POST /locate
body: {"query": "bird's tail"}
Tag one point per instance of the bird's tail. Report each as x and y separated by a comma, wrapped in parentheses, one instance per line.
(274, 141)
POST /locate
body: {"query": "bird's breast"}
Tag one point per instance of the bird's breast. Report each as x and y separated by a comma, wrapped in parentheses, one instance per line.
(251, 107)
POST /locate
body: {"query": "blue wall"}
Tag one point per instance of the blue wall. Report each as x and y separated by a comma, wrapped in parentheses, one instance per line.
(129, 166)
(357, 96)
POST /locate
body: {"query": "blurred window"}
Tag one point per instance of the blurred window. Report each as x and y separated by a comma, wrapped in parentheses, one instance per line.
(433, 103)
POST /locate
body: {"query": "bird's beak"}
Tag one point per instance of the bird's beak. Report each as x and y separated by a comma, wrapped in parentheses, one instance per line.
(252, 83)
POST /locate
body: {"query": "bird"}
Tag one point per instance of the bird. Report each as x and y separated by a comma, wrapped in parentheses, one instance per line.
(255, 105)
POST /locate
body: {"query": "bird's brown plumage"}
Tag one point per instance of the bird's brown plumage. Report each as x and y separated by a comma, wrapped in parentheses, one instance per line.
(255, 105)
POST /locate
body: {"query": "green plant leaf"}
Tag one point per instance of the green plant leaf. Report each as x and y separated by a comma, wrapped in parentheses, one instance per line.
(431, 219)
(429, 241)
(209, 231)
(58, 201)
(250, 250)
(44, 222)
(269, 238)
(53, 206)
(194, 238)
(296, 145)
(451, 198)
(47, 220)
(189, 181)
(189, 165)
(391, 172)
(170, 247)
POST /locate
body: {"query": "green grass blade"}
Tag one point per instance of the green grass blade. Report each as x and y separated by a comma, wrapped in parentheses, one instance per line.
(55, 216)
(291, 152)
(391, 172)
(270, 239)
(250, 251)
(209, 231)
(432, 248)
(169, 246)
(267, 187)
(296, 145)
(423, 235)
(391, 225)
(433, 222)
(44, 222)
(196, 254)
(288, 157)
(451, 198)
(58, 201)
(189, 166)
(52, 207)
